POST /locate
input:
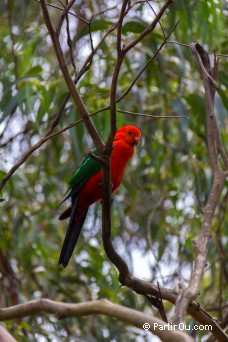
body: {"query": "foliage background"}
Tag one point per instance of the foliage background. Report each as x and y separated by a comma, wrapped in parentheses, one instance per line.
(158, 208)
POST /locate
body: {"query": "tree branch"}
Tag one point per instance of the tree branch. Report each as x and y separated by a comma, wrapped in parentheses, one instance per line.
(141, 71)
(62, 9)
(201, 244)
(63, 15)
(5, 336)
(57, 116)
(70, 83)
(149, 29)
(153, 116)
(37, 145)
(69, 42)
(120, 57)
(106, 176)
(102, 306)
(140, 287)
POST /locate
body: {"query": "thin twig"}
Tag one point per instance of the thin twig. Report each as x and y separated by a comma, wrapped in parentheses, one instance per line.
(57, 117)
(26, 155)
(11, 139)
(80, 73)
(148, 63)
(104, 11)
(153, 116)
(162, 28)
(62, 9)
(70, 83)
(69, 42)
(90, 35)
(89, 59)
(149, 29)
(63, 15)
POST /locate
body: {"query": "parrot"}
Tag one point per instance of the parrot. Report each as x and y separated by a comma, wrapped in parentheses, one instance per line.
(85, 185)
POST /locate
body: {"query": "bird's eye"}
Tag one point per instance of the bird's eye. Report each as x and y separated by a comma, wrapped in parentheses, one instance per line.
(129, 132)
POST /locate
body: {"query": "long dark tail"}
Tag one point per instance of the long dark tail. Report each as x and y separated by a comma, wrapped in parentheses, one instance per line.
(73, 231)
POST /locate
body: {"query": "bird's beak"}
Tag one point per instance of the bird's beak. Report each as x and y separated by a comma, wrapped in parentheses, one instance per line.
(137, 139)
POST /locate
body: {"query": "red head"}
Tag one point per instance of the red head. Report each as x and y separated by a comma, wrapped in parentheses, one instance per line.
(130, 134)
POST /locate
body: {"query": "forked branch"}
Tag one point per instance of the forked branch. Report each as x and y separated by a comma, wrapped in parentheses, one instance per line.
(209, 76)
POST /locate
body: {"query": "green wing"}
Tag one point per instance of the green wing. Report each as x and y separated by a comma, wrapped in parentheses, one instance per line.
(88, 167)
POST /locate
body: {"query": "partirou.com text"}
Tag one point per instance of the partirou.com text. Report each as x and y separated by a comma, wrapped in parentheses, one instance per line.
(181, 326)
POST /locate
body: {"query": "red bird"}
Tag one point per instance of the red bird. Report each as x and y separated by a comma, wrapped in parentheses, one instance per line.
(85, 185)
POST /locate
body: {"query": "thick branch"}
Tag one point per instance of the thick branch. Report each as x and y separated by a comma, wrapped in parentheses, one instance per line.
(139, 286)
(106, 179)
(113, 256)
(193, 309)
(103, 306)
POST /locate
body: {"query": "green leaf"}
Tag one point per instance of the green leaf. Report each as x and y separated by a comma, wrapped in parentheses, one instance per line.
(34, 71)
(96, 25)
(134, 26)
(10, 106)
